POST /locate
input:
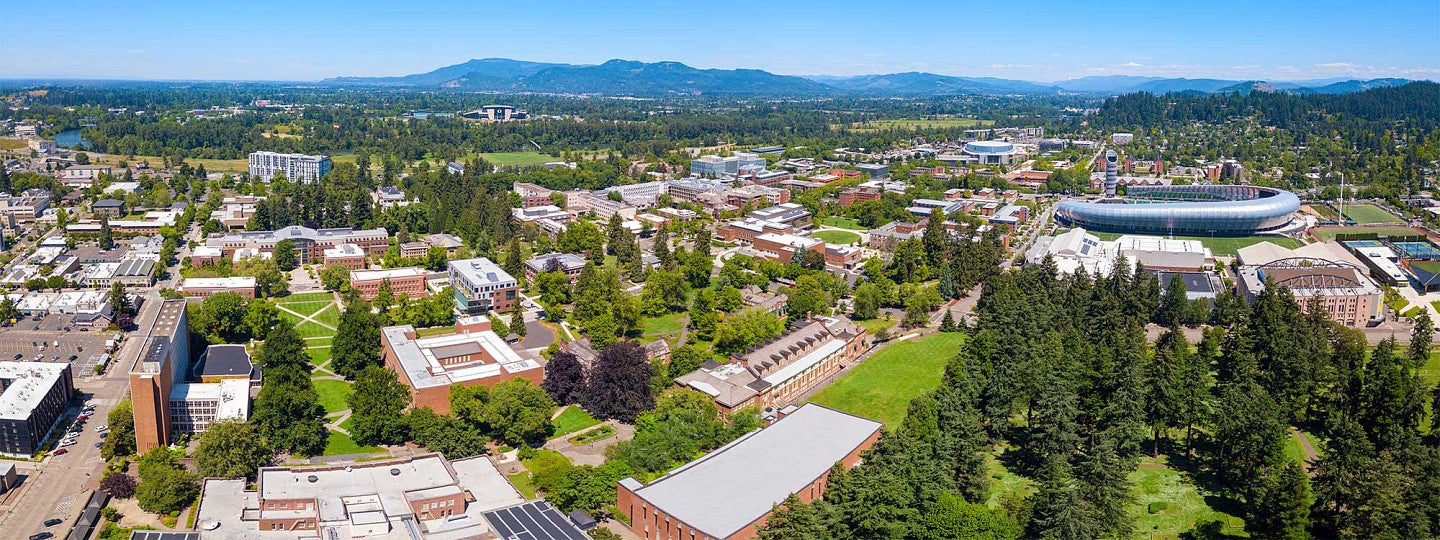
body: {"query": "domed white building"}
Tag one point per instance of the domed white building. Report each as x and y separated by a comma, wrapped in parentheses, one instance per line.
(994, 152)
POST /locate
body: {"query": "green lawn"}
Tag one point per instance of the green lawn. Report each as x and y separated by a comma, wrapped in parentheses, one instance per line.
(339, 444)
(310, 329)
(314, 342)
(12, 144)
(307, 297)
(664, 324)
(434, 331)
(329, 315)
(1004, 484)
(521, 481)
(1222, 245)
(842, 222)
(1366, 214)
(1186, 507)
(1328, 233)
(842, 238)
(881, 388)
(306, 308)
(874, 326)
(332, 394)
(507, 159)
(919, 123)
(319, 355)
(1324, 211)
(573, 419)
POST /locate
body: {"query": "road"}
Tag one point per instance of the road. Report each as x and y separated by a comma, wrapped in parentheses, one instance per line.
(56, 486)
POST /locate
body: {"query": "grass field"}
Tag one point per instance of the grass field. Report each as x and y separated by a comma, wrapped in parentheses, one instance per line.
(512, 159)
(318, 355)
(329, 315)
(332, 394)
(1155, 482)
(1367, 214)
(307, 298)
(875, 325)
(12, 144)
(842, 238)
(306, 308)
(1223, 245)
(842, 222)
(1324, 211)
(433, 331)
(310, 329)
(917, 123)
(1328, 233)
(573, 419)
(521, 481)
(664, 324)
(339, 444)
(881, 388)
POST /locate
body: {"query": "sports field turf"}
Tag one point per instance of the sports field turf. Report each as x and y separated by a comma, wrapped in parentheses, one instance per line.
(881, 388)
(508, 159)
(1366, 214)
(842, 238)
(1223, 245)
(1328, 233)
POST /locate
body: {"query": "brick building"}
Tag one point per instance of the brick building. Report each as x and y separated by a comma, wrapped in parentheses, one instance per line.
(406, 281)
(241, 285)
(729, 494)
(472, 355)
(348, 255)
(310, 244)
(775, 373)
(784, 247)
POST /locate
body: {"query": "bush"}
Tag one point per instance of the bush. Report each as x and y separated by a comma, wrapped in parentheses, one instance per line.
(603, 534)
(1157, 507)
(110, 514)
(118, 485)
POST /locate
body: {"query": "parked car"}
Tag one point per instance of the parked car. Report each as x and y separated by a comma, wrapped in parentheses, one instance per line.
(41, 536)
(53, 522)
(60, 452)
(99, 444)
(102, 428)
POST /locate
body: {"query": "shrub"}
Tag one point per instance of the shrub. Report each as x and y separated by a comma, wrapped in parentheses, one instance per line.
(118, 485)
(110, 514)
(1157, 507)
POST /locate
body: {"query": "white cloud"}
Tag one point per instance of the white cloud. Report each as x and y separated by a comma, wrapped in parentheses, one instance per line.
(1337, 65)
(1009, 66)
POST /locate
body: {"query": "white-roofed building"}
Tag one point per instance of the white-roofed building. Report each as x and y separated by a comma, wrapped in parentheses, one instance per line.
(194, 406)
(35, 396)
(729, 493)
(472, 355)
(421, 497)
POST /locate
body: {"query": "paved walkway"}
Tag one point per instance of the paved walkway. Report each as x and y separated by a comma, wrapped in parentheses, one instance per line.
(594, 453)
(311, 317)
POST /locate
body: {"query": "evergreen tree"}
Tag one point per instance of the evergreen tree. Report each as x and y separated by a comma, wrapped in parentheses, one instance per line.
(283, 347)
(107, 239)
(1283, 508)
(947, 323)
(661, 248)
(935, 238)
(1165, 393)
(356, 345)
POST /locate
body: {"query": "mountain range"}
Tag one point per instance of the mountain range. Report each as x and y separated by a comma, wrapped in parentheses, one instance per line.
(628, 77)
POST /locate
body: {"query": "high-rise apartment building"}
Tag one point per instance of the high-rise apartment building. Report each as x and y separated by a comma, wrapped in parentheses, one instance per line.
(296, 167)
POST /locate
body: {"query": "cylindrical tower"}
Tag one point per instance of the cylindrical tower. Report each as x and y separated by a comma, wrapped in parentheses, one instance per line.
(1112, 165)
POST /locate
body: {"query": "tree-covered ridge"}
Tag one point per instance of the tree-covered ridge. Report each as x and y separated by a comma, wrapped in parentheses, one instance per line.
(1060, 380)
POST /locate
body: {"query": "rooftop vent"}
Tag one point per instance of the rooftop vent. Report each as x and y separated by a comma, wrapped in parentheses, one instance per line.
(312, 478)
(394, 471)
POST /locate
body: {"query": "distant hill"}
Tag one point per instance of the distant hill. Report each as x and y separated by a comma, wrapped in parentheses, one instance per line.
(487, 68)
(658, 78)
(932, 84)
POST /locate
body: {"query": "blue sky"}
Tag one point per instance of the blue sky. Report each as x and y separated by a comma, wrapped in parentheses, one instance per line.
(1032, 40)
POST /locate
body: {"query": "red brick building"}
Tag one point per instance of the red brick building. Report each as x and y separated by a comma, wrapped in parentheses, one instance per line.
(243, 286)
(406, 281)
(730, 493)
(859, 194)
(472, 355)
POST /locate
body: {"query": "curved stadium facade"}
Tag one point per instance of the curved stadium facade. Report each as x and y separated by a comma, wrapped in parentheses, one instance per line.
(1208, 210)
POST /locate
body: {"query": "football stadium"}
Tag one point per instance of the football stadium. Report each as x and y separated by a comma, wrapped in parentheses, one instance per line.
(1201, 210)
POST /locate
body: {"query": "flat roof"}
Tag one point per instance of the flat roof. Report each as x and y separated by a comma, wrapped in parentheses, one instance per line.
(392, 273)
(26, 384)
(224, 360)
(533, 521)
(218, 282)
(739, 483)
(481, 271)
(232, 397)
(420, 358)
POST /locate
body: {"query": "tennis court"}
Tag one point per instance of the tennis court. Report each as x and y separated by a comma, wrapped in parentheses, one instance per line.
(1364, 243)
(1418, 250)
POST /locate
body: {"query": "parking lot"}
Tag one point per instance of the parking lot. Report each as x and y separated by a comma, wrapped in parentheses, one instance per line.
(28, 338)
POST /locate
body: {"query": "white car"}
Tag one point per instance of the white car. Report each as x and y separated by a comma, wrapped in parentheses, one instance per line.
(67, 442)
(101, 428)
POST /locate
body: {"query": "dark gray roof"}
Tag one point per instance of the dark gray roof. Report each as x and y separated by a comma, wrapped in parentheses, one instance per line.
(535, 520)
(108, 203)
(224, 360)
